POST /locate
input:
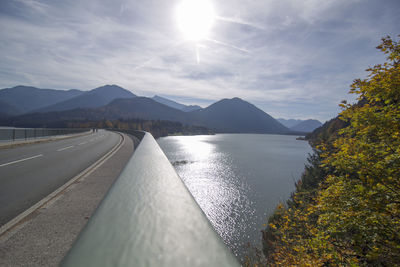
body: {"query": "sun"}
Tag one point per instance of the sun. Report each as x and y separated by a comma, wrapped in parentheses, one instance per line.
(195, 18)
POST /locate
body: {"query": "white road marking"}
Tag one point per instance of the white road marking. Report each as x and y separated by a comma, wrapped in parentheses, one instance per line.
(82, 143)
(61, 149)
(20, 160)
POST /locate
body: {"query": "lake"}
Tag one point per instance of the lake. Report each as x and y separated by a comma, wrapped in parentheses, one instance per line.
(238, 179)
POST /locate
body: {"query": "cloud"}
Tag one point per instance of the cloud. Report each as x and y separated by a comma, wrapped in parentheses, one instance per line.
(35, 6)
(240, 21)
(291, 58)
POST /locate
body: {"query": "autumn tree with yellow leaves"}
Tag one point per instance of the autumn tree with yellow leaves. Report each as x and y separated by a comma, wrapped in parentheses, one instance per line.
(346, 208)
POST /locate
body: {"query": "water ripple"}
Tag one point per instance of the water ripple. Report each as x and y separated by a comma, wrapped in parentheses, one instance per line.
(237, 183)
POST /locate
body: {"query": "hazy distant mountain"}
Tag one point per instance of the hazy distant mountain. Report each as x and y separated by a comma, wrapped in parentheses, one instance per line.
(191, 108)
(174, 104)
(237, 116)
(27, 98)
(168, 102)
(94, 98)
(306, 126)
(289, 122)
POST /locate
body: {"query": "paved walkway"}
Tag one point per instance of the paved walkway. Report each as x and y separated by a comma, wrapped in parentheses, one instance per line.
(45, 236)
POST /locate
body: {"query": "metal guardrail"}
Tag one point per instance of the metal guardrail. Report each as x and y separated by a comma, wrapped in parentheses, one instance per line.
(149, 218)
(14, 134)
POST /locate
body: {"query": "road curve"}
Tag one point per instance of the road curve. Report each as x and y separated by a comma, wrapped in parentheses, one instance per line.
(30, 173)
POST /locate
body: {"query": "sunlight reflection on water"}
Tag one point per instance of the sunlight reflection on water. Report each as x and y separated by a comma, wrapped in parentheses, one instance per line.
(214, 185)
(237, 179)
(211, 179)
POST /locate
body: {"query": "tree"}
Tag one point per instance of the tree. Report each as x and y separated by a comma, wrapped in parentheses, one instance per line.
(360, 206)
(352, 216)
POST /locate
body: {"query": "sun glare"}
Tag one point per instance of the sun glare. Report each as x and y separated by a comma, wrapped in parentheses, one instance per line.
(195, 18)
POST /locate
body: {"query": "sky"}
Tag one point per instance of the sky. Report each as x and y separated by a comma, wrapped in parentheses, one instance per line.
(293, 59)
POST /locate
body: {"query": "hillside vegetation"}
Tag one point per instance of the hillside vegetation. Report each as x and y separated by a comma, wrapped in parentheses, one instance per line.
(346, 207)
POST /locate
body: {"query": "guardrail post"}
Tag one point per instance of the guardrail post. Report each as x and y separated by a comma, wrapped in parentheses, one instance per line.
(13, 134)
(25, 133)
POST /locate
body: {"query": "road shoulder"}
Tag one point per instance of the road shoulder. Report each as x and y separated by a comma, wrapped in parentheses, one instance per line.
(45, 236)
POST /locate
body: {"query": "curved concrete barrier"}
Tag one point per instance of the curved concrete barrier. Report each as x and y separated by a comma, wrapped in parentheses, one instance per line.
(149, 218)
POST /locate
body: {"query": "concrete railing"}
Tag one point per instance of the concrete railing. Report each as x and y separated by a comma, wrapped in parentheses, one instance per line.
(15, 134)
(149, 218)
(136, 136)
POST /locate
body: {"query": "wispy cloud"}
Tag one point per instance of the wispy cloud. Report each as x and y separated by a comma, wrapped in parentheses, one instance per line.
(240, 21)
(35, 6)
(229, 45)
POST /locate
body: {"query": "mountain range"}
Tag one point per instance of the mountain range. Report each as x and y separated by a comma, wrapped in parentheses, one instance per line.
(97, 97)
(237, 116)
(25, 99)
(306, 126)
(174, 104)
(113, 102)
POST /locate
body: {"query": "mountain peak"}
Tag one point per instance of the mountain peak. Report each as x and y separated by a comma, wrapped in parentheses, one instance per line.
(23, 87)
(111, 92)
(235, 99)
(236, 115)
(97, 97)
(28, 98)
(109, 87)
(232, 103)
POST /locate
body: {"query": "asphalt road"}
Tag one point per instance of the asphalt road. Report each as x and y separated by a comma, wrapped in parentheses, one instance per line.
(31, 172)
